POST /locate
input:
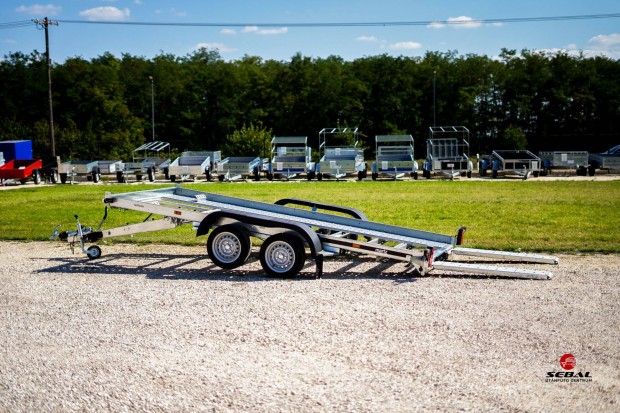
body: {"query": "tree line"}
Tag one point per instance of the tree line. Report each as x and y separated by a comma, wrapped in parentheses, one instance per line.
(103, 106)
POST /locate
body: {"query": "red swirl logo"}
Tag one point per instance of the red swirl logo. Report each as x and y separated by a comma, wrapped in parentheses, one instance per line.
(567, 361)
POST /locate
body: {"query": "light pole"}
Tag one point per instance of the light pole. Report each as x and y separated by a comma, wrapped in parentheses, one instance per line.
(434, 100)
(152, 106)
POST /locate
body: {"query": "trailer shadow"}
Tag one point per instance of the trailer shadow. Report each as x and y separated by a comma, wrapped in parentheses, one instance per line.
(197, 267)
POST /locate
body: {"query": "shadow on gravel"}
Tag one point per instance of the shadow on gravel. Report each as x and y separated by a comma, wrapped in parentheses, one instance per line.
(193, 267)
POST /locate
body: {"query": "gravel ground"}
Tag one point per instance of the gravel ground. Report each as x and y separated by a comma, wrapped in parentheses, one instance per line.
(158, 328)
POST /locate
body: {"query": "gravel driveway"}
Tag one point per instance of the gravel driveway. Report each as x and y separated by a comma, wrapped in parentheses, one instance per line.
(158, 328)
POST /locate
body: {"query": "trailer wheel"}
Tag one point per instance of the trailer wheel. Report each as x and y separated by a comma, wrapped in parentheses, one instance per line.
(96, 175)
(229, 246)
(283, 255)
(374, 176)
(173, 178)
(319, 176)
(63, 178)
(36, 177)
(415, 176)
(54, 176)
(494, 173)
(138, 178)
(93, 252)
(591, 170)
(151, 174)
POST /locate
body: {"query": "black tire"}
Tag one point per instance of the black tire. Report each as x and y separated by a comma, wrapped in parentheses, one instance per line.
(229, 246)
(166, 173)
(494, 174)
(151, 174)
(374, 176)
(36, 177)
(283, 255)
(536, 174)
(319, 176)
(173, 178)
(120, 177)
(360, 175)
(93, 252)
(96, 175)
(591, 170)
(220, 178)
(54, 176)
(415, 176)
(138, 178)
(208, 175)
(63, 178)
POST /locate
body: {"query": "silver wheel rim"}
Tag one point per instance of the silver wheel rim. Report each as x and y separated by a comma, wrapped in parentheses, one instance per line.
(226, 247)
(280, 257)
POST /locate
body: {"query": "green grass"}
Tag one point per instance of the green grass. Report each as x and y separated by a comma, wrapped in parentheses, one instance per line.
(537, 215)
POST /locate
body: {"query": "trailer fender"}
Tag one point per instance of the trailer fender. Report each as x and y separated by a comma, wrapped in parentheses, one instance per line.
(355, 213)
(311, 238)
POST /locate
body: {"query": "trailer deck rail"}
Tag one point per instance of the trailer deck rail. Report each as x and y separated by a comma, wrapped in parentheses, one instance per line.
(288, 228)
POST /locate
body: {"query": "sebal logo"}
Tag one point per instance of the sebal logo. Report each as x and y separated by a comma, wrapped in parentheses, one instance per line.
(568, 362)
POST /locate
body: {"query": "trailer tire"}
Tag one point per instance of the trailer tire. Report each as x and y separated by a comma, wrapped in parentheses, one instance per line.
(229, 246)
(283, 255)
(151, 174)
(36, 176)
(173, 178)
(54, 176)
(468, 174)
(96, 175)
(360, 175)
(374, 176)
(63, 178)
(319, 176)
(139, 178)
(93, 252)
(591, 170)
(494, 174)
(220, 178)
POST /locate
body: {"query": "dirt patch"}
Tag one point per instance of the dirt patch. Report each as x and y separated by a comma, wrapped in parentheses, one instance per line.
(158, 328)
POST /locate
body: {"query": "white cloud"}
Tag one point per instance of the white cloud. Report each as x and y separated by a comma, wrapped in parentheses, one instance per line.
(228, 31)
(606, 43)
(461, 22)
(107, 13)
(370, 39)
(40, 10)
(406, 46)
(221, 47)
(256, 30)
(436, 25)
(464, 22)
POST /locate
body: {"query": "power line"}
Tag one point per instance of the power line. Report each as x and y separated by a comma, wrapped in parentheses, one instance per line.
(361, 24)
(454, 22)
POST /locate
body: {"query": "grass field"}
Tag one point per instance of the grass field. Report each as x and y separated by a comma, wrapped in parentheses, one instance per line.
(553, 216)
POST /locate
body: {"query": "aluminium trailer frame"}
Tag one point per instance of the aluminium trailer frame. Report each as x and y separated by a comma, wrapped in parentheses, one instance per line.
(340, 161)
(287, 232)
(394, 157)
(447, 153)
(290, 156)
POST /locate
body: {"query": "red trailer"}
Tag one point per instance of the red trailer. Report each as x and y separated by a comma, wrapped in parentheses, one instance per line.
(22, 170)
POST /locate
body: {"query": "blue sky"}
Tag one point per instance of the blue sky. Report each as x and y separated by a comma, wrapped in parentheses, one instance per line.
(591, 36)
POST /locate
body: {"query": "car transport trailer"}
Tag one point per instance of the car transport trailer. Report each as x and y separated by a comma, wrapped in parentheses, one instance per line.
(287, 232)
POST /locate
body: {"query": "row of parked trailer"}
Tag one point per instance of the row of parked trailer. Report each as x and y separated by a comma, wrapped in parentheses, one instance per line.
(340, 156)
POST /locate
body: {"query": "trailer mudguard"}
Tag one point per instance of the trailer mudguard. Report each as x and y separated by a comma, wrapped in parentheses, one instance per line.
(303, 230)
(355, 213)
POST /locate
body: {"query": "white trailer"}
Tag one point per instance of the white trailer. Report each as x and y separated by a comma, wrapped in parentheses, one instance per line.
(565, 161)
(519, 163)
(148, 160)
(235, 168)
(340, 161)
(72, 169)
(395, 157)
(291, 229)
(290, 157)
(192, 164)
(447, 153)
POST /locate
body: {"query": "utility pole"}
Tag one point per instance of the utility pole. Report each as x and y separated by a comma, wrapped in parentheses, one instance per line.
(45, 23)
